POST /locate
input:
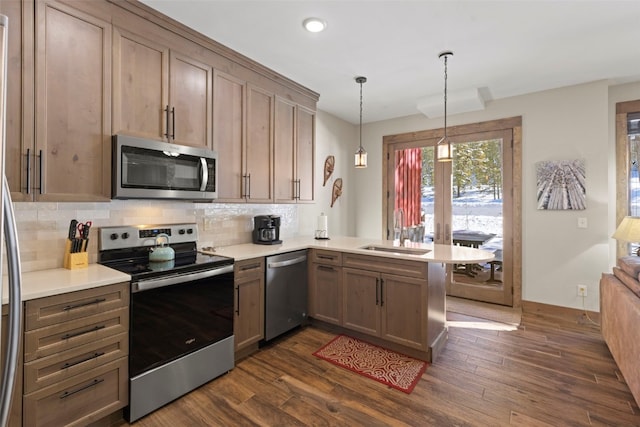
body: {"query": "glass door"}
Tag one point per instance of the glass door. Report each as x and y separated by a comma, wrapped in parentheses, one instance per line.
(466, 202)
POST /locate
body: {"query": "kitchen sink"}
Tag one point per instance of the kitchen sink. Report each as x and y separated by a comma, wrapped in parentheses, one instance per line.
(396, 249)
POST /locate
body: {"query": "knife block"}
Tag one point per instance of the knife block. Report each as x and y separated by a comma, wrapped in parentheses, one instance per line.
(76, 260)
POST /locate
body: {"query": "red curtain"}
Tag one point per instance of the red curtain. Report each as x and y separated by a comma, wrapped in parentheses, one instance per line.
(409, 184)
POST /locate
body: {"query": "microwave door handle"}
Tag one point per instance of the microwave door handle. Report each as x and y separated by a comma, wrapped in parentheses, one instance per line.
(204, 174)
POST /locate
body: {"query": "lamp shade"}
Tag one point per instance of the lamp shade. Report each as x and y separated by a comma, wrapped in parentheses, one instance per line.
(628, 230)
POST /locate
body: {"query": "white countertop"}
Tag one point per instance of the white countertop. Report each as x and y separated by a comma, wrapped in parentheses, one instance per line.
(437, 253)
(39, 284)
(44, 283)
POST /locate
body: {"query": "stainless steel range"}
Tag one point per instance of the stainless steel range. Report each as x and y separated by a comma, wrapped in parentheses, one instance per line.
(181, 320)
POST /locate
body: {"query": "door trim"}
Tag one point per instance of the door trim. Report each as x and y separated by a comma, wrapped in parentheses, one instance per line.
(392, 142)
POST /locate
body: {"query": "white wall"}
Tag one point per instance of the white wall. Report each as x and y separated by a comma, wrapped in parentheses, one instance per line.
(566, 123)
(333, 137)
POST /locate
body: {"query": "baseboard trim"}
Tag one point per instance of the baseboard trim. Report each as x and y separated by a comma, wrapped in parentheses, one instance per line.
(566, 313)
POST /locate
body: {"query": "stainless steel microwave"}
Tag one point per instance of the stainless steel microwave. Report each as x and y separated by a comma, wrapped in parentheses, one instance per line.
(146, 169)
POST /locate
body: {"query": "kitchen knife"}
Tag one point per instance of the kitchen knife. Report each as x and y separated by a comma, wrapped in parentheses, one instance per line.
(85, 236)
(72, 229)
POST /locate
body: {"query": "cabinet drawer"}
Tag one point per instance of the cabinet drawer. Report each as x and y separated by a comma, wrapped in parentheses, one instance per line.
(249, 268)
(53, 339)
(382, 264)
(326, 257)
(74, 305)
(81, 399)
(60, 366)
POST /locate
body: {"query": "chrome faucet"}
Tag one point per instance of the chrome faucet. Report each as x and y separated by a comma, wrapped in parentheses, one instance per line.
(400, 217)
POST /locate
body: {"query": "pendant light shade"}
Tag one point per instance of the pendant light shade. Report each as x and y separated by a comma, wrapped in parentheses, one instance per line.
(361, 154)
(444, 147)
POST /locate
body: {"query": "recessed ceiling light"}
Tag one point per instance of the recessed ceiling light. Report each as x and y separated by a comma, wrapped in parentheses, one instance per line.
(314, 25)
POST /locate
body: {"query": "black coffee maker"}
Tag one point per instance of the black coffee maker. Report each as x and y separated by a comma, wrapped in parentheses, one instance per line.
(266, 230)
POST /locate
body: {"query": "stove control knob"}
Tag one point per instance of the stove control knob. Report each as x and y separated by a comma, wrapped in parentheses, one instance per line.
(190, 231)
(125, 235)
(114, 236)
(181, 231)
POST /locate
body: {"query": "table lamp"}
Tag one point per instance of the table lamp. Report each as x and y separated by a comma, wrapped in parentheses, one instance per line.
(629, 231)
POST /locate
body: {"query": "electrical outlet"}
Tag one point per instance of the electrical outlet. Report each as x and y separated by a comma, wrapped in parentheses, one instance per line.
(582, 290)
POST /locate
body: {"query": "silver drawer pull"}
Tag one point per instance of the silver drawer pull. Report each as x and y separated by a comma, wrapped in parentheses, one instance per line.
(326, 268)
(84, 304)
(249, 267)
(79, 389)
(326, 257)
(76, 334)
(86, 359)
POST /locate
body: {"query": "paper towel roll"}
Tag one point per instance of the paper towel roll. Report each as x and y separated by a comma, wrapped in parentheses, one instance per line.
(322, 228)
(322, 222)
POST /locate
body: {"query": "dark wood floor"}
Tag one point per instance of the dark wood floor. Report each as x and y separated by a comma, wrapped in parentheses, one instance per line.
(547, 372)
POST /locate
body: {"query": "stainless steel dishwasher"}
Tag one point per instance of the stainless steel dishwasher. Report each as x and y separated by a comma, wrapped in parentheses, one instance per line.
(286, 293)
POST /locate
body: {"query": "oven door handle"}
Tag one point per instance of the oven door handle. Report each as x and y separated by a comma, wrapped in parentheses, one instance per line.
(146, 285)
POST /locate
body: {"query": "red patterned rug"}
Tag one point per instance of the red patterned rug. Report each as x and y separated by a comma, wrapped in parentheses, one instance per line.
(388, 367)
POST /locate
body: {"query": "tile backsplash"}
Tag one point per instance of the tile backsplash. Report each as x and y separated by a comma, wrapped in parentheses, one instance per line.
(43, 227)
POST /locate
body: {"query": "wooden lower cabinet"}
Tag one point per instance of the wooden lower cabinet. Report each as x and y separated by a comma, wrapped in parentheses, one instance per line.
(81, 399)
(15, 414)
(325, 286)
(248, 324)
(393, 307)
(76, 356)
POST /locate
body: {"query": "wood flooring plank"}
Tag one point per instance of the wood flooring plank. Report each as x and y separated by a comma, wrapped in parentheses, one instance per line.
(549, 371)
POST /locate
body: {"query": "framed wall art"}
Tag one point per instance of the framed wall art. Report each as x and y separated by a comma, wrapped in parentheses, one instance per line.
(561, 185)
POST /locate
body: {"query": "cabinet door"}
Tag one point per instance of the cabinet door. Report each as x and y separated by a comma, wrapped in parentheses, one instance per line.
(19, 105)
(404, 308)
(190, 97)
(361, 309)
(326, 293)
(305, 153)
(15, 413)
(248, 327)
(140, 86)
(73, 108)
(229, 136)
(259, 143)
(285, 185)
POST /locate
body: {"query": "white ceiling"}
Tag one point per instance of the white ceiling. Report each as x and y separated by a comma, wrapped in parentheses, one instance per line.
(501, 48)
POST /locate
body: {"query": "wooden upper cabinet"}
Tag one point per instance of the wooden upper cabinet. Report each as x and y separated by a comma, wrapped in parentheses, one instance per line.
(293, 152)
(260, 105)
(305, 152)
(229, 136)
(190, 95)
(285, 182)
(19, 114)
(73, 108)
(159, 93)
(140, 86)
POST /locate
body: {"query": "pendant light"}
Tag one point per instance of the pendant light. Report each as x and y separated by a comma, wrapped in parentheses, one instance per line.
(361, 155)
(445, 150)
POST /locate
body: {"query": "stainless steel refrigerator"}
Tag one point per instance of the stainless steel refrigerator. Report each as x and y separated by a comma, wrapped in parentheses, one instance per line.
(12, 284)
